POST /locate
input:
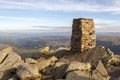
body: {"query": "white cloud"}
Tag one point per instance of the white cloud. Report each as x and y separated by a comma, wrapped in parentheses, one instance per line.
(63, 5)
(107, 25)
(24, 23)
(104, 21)
(18, 18)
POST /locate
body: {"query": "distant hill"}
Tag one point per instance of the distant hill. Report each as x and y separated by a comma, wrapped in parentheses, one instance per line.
(26, 42)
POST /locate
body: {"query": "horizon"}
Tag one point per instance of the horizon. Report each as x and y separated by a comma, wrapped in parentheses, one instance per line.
(57, 15)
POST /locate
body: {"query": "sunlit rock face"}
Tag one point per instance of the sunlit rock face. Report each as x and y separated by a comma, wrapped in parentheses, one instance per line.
(83, 35)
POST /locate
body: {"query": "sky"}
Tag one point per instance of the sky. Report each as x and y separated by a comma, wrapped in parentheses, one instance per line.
(57, 15)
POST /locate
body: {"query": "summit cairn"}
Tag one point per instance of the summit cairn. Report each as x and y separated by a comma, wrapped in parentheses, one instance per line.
(83, 35)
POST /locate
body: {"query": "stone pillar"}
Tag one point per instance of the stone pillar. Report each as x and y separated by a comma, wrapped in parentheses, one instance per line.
(83, 35)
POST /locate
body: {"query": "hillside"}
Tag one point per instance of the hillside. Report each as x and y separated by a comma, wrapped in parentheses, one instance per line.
(28, 44)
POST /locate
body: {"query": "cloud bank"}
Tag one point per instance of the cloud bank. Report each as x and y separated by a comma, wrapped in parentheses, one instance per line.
(64, 5)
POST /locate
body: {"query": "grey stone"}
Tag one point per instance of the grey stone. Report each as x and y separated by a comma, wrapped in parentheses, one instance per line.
(30, 61)
(42, 64)
(78, 66)
(78, 75)
(28, 71)
(96, 75)
(101, 69)
(4, 53)
(12, 61)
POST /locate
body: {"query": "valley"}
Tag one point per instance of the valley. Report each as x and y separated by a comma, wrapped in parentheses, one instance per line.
(29, 42)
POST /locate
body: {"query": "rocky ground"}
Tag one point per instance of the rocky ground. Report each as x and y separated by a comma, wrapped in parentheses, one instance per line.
(98, 63)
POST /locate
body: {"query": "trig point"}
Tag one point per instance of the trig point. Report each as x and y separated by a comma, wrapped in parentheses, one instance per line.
(83, 35)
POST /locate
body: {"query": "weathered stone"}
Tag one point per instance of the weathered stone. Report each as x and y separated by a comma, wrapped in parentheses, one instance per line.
(12, 78)
(78, 75)
(11, 61)
(44, 50)
(59, 70)
(101, 69)
(115, 60)
(78, 66)
(96, 75)
(83, 35)
(4, 53)
(47, 77)
(94, 55)
(108, 57)
(58, 64)
(30, 61)
(100, 72)
(28, 72)
(42, 64)
(5, 75)
(55, 72)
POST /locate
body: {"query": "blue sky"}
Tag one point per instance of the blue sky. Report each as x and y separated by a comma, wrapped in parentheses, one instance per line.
(58, 14)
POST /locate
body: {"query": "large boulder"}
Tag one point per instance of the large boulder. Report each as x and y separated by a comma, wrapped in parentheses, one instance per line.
(28, 72)
(5, 75)
(78, 66)
(108, 57)
(115, 61)
(101, 69)
(98, 53)
(78, 71)
(44, 63)
(100, 72)
(44, 50)
(30, 61)
(4, 53)
(96, 75)
(9, 64)
(78, 75)
(57, 71)
(11, 61)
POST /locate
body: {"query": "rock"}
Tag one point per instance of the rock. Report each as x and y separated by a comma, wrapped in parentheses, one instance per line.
(101, 69)
(8, 66)
(108, 57)
(115, 61)
(30, 61)
(78, 66)
(61, 48)
(42, 64)
(28, 72)
(11, 61)
(100, 72)
(78, 75)
(58, 64)
(4, 53)
(47, 77)
(94, 55)
(114, 72)
(5, 75)
(12, 78)
(96, 75)
(44, 50)
(56, 71)
(64, 60)
(59, 70)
